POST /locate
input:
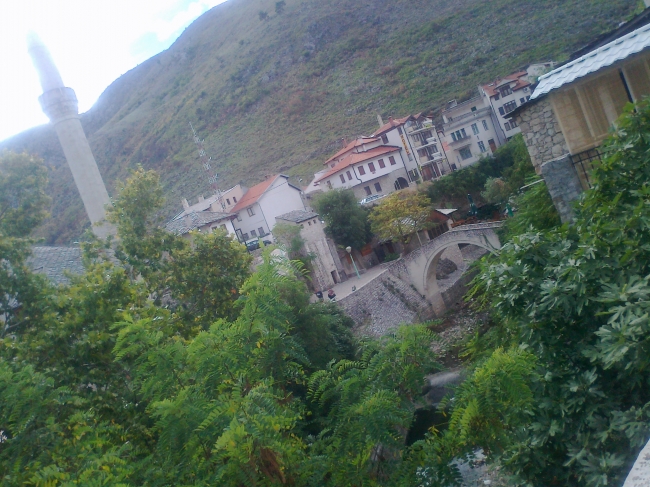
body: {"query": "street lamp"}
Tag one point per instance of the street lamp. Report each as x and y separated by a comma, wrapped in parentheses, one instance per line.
(349, 251)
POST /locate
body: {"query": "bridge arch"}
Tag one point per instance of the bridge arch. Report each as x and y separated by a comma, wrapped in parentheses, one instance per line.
(422, 263)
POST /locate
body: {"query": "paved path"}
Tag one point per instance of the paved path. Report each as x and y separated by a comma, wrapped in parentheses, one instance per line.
(344, 289)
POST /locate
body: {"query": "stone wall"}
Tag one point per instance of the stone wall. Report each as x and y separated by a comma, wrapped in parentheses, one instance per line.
(542, 133)
(563, 184)
(384, 303)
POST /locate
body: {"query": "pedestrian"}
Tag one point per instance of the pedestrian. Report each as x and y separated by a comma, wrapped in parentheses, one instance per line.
(331, 295)
(319, 295)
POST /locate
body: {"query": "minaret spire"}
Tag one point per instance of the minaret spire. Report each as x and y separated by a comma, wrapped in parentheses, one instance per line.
(59, 103)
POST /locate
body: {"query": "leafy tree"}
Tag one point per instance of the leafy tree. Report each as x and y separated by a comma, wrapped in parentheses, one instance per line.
(263, 15)
(347, 221)
(577, 298)
(400, 215)
(279, 7)
(23, 205)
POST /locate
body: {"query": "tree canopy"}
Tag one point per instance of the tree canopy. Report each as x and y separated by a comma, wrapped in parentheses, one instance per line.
(400, 215)
(347, 221)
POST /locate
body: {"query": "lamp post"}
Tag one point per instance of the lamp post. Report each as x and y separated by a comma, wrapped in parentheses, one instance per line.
(349, 251)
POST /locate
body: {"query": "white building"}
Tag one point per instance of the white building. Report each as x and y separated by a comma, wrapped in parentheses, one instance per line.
(376, 170)
(504, 95)
(256, 211)
(427, 147)
(470, 130)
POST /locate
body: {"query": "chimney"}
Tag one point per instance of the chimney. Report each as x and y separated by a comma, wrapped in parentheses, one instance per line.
(201, 198)
(381, 122)
(186, 205)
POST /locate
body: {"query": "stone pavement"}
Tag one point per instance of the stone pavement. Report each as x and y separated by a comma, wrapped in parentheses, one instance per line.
(344, 289)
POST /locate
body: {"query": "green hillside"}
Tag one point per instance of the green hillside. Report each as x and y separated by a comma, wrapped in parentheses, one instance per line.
(277, 95)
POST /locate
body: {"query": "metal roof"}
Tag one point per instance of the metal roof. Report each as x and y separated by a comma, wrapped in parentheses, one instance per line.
(605, 56)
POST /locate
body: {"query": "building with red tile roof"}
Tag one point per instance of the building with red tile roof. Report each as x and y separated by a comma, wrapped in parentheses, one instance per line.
(504, 95)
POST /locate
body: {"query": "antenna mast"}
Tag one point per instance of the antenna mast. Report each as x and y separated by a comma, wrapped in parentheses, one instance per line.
(205, 161)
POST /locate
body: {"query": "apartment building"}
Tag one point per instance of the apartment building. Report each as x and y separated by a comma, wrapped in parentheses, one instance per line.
(470, 131)
(377, 170)
(427, 147)
(504, 95)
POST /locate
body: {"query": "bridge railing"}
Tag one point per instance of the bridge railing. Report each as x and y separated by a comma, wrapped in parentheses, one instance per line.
(477, 226)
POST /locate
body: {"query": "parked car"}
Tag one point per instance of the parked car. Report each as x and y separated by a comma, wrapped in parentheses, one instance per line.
(252, 244)
(370, 199)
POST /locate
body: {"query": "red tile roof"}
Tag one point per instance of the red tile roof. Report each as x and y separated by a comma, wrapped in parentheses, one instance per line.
(359, 141)
(253, 194)
(392, 123)
(491, 88)
(355, 158)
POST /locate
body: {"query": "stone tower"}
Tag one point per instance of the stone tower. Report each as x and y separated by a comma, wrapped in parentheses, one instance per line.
(59, 103)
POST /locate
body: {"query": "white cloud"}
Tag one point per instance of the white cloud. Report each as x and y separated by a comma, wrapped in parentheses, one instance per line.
(91, 42)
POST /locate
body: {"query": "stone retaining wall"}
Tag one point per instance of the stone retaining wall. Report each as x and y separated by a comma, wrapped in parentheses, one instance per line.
(384, 303)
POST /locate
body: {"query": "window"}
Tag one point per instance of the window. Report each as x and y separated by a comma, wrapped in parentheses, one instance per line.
(329, 184)
(309, 223)
(465, 153)
(238, 217)
(378, 187)
(527, 98)
(481, 146)
(253, 233)
(475, 129)
(362, 171)
(245, 236)
(228, 201)
(342, 178)
(371, 166)
(414, 175)
(522, 100)
(507, 125)
(453, 136)
(391, 159)
(333, 164)
(382, 164)
(453, 167)
(497, 97)
(513, 124)
(234, 199)
(473, 109)
(314, 222)
(384, 139)
(250, 211)
(367, 190)
(349, 175)
(261, 231)
(459, 134)
(526, 88)
(502, 111)
(510, 106)
(485, 125)
(505, 91)
(399, 130)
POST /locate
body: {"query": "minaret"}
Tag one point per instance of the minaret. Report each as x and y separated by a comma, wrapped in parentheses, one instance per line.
(59, 103)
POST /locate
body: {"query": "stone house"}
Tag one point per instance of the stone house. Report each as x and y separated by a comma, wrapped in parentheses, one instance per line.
(326, 265)
(470, 130)
(574, 107)
(202, 221)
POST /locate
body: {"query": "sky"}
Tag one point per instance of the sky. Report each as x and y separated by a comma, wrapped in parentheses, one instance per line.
(92, 42)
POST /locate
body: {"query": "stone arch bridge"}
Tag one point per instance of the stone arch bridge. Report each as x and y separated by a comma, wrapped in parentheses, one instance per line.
(408, 291)
(421, 264)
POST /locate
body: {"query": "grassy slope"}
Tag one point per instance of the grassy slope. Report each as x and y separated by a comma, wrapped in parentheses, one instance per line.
(278, 95)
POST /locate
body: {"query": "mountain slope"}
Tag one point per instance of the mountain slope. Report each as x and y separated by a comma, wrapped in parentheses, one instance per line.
(278, 95)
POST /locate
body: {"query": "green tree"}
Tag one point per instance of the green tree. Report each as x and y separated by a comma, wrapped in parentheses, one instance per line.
(263, 15)
(400, 215)
(347, 221)
(23, 205)
(577, 299)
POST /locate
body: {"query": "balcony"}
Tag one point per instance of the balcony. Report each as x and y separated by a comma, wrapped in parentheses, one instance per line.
(461, 142)
(419, 127)
(430, 141)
